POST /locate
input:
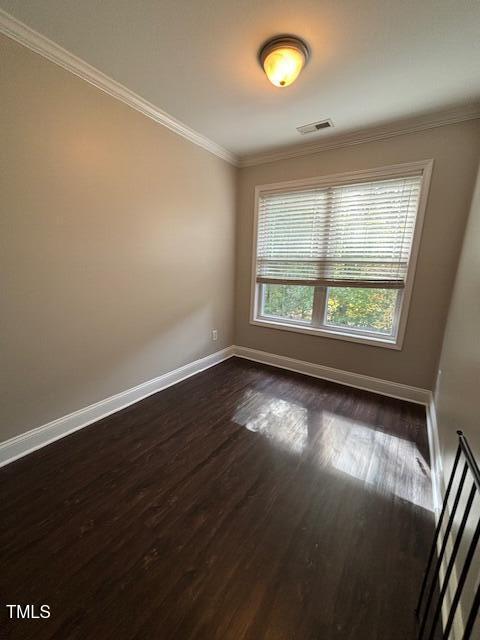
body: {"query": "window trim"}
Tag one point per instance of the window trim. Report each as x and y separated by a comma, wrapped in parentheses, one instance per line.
(318, 323)
(391, 171)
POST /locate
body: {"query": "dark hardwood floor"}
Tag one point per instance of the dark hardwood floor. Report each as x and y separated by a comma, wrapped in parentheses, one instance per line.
(246, 503)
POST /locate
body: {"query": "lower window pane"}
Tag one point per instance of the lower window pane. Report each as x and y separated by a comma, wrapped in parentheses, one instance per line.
(363, 309)
(291, 302)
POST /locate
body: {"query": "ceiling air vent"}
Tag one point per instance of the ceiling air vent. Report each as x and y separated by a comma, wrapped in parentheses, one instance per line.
(315, 126)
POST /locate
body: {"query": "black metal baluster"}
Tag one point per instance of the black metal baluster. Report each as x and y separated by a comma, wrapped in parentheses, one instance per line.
(433, 584)
(472, 616)
(461, 582)
(467, 452)
(429, 589)
(451, 562)
(437, 530)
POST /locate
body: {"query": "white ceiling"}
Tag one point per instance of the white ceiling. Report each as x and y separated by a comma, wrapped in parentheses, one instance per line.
(373, 61)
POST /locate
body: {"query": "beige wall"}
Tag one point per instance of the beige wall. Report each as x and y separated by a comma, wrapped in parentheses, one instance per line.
(457, 393)
(455, 150)
(458, 386)
(117, 245)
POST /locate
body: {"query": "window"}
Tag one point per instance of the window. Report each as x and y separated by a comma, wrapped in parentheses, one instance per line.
(335, 256)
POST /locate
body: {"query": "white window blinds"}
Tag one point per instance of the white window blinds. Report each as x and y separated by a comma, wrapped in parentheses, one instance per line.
(355, 235)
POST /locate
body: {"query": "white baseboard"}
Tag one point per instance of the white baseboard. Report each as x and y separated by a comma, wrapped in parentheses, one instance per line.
(25, 443)
(348, 378)
(438, 491)
(436, 466)
(396, 390)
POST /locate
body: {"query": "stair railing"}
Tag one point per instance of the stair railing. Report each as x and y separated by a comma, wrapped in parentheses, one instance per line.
(434, 596)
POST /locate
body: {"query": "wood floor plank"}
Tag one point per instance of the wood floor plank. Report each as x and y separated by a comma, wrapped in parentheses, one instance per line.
(245, 503)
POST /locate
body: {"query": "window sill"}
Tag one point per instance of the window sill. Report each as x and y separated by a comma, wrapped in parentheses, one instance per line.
(337, 334)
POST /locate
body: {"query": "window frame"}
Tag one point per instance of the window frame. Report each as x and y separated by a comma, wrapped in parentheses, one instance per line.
(396, 339)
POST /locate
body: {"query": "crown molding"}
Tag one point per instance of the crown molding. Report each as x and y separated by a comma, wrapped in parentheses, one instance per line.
(373, 134)
(20, 32)
(42, 45)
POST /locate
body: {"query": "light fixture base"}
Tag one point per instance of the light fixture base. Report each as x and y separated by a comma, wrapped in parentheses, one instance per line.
(285, 40)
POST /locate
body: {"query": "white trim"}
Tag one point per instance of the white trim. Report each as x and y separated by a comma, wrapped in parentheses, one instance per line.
(34, 439)
(438, 491)
(30, 441)
(414, 251)
(262, 321)
(403, 169)
(373, 134)
(348, 177)
(25, 443)
(28, 37)
(393, 390)
(436, 466)
(42, 45)
(347, 378)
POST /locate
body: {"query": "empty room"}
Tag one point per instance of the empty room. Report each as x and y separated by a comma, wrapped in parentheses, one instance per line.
(240, 320)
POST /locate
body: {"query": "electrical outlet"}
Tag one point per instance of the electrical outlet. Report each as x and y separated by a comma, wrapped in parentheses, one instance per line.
(214, 335)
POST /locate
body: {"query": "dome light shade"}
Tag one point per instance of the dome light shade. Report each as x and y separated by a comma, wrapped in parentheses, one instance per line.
(283, 58)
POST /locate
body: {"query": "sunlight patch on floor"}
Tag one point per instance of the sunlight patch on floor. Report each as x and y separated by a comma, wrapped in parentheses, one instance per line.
(389, 464)
(283, 423)
(392, 465)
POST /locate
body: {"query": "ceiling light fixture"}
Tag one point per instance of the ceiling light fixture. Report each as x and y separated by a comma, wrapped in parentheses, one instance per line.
(283, 58)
